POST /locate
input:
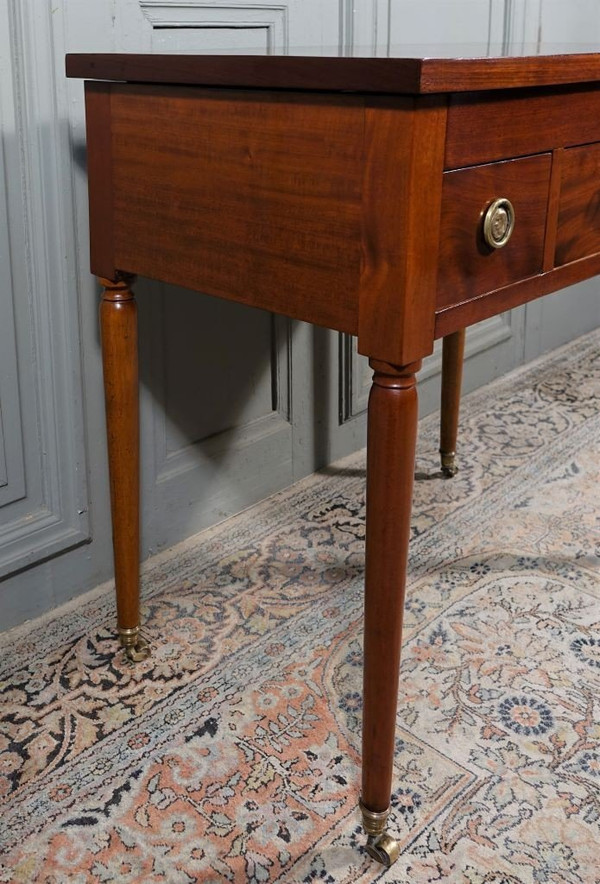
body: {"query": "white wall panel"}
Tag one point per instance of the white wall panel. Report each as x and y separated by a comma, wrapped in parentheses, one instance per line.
(48, 513)
(12, 468)
(236, 27)
(442, 21)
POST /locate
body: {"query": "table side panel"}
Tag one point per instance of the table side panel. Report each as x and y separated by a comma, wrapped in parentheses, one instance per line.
(255, 197)
(488, 126)
(579, 209)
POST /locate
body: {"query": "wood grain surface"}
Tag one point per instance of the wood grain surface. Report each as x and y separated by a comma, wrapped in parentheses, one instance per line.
(400, 232)
(553, 207)
(485, 126)
(467, 267)
(99, 168)
(118, 324)
(453, 352)
(251, 196)
(391, 443)
(578, 232)
(450, 319)
(389, 75)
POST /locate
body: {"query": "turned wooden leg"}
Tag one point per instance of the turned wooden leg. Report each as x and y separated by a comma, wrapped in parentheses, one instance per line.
(118, 325)
(453, 350)
(391, 442)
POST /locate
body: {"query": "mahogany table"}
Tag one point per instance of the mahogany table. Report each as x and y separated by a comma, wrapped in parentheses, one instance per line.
(396, 199)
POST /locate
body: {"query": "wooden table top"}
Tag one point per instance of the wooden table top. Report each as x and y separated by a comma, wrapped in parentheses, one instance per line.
(406, 69)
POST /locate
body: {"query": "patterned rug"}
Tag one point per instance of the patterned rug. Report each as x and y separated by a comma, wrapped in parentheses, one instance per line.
(232, 754)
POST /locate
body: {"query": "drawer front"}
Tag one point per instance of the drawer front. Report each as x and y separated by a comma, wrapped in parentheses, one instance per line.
(468, 267)
(488, 126)
(578, 233)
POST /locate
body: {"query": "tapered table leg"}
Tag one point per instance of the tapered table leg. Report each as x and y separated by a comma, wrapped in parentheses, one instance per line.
(118, 325)
(391, 442)
(453, 351)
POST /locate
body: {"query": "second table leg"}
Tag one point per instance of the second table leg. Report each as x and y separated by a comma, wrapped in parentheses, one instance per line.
(453, 351)
(391, 443)
(118, 326)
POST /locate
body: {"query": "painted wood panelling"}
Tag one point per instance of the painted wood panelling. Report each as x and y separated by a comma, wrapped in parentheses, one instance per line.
(246, 26)
(46, 510)
(12, 470)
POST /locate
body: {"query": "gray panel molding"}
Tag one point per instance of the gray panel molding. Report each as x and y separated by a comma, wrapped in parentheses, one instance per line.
(281, 366)
(522, 22)
(3, 469)
(480, 337)
(185, 460)
(53, 515)
(346, 31)
(367, 25)
(163, 14)
(12, 471)
(497, 22)
(170, 464)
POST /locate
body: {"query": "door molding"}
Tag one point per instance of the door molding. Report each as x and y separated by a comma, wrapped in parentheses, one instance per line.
(175, 14)
(52, 515)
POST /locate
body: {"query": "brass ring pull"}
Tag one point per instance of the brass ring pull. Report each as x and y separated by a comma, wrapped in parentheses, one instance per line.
(498, 223)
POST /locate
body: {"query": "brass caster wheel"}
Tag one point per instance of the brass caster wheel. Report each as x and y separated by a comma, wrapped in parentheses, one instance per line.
(135, 645)
(380, 845)
(449, 467)
(139, 651)
(383, 848)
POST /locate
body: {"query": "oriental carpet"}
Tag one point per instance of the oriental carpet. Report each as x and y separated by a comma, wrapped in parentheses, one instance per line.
(232, 754)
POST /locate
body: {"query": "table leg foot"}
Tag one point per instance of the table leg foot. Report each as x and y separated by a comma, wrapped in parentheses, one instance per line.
(449, 466)
(380, 844)
(136, 646)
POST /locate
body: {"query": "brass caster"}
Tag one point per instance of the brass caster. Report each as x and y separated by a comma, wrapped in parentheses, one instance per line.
(136, 646)
(383, 848)
(139, 651)
(449, 467)
(380, 845)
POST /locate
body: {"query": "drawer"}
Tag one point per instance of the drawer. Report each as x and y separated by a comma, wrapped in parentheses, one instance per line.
(468, 267)
(487, 126)
(579, 208)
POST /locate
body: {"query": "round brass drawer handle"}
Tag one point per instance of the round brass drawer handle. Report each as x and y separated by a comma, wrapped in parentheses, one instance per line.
(498, 223)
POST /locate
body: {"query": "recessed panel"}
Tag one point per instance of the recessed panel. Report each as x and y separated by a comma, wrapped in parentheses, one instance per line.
(210, 39)
(12, 475)
(579, 208)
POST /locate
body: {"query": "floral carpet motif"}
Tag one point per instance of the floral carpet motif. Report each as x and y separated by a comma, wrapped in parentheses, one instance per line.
(233, 753)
